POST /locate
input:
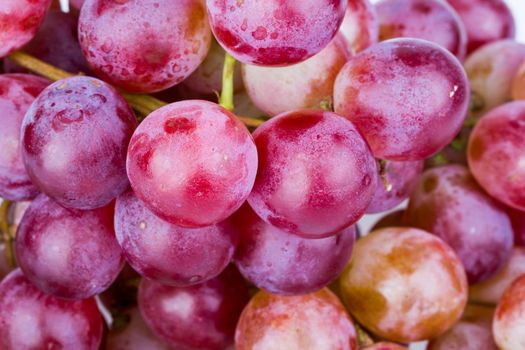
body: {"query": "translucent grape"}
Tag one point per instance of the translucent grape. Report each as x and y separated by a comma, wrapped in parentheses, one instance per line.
(30, 319)
(360, 25)
(509, 318)
(518, 84)
(316, 174)
(74, 141)
(17, 92)
(408, 97)
(193, 163)
(275, 33)
(390, 284)
(144, 45)
(277, 90)
(68, 253)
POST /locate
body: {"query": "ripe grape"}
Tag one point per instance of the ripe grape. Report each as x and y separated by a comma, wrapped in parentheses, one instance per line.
(167, 253)
(385, 346)
(449, 203)
(485, 21)
(316, 173)
(275, 33)
(277, 90)
(192, 163)
(432, 20)
(518, 84)
(68, 253)
(74, 141)
(197, 317)
(19, 22)
(286, 264)
(390, 284)
(394, 219)
(509, 318)
(360, 25)
(402, 178)
(30, 319)
(144, 45)
(408, 97)
(496, 153)
(307, 322)
(17, 92)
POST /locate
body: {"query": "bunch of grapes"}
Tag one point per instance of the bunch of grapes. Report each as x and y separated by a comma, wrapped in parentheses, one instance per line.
(197, 174)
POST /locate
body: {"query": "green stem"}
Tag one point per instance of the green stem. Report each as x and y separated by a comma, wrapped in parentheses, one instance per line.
(226, 98)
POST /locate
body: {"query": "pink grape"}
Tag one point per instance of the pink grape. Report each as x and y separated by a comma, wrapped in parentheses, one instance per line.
(385, 346)
(449, 203)
(68, 253)
(30, 319)
(510, 316)
(402, 177)
(277, 90)
(390, 284)
(74, 141)
(316, 173)
(286, 264)
(360, 25)
(408, 97)
(518, 84)
(432, 20)
(144, 45)
(192, 163)
(17, 92)
(19, 20)
(495, 153)
(275, 33)
(485, 21)
(307, 322)
(198, 317)
(167, 253)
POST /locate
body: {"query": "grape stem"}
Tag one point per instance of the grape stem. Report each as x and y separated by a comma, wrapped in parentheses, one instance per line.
(363, 338)
(7, 234)
(226, 98)
(382, 174)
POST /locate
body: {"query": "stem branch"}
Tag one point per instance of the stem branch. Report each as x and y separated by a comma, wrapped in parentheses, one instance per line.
(226, 98)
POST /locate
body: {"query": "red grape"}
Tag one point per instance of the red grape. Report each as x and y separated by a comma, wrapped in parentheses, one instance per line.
(68, 253)
(74, 141)
(485, 21)
(449, 203)
(17, 92)
(393, 219)
(316, 173)
(408, 97)
(307, 322)
(496, 153)
(404, 284)
(30, 319)
(385, 346)
(277, 90)
(360, 25)
(518, 84)
(144, 45)
(19, 22)
(198, 317)
(275, 32)
(167, 253)
(510, 317)
(286, 264)
(432, 20)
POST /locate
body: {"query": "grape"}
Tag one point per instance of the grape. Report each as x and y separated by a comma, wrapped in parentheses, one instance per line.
(68, 253)
(144, 45)
(30, 319)
(19, 22)
(307, 322)
(402, 176)
(316, 173)
(275, 33)
(74, 141)
(495, 154)
(385, 346)
(491, 290)
(408, 97)
(491, 70)
(432, 20)
(277, 90)
(167, 253)
(449, 203)
(509, 318)
(286, 264)
(484, 20)
(198, 317)
(394, 219)
(518, 84)
(17, 92)
(360, 25)
(390, 285)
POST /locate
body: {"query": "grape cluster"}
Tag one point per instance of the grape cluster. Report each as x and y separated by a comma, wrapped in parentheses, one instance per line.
(229, 209)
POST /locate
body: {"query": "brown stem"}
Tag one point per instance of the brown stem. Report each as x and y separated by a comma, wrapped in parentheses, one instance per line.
(7, 235)
(382, 174)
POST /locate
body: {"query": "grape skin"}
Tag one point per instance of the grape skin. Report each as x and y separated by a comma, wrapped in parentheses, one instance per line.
(17, 92)
(360, 25)
(385, 346)
(509, 318)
